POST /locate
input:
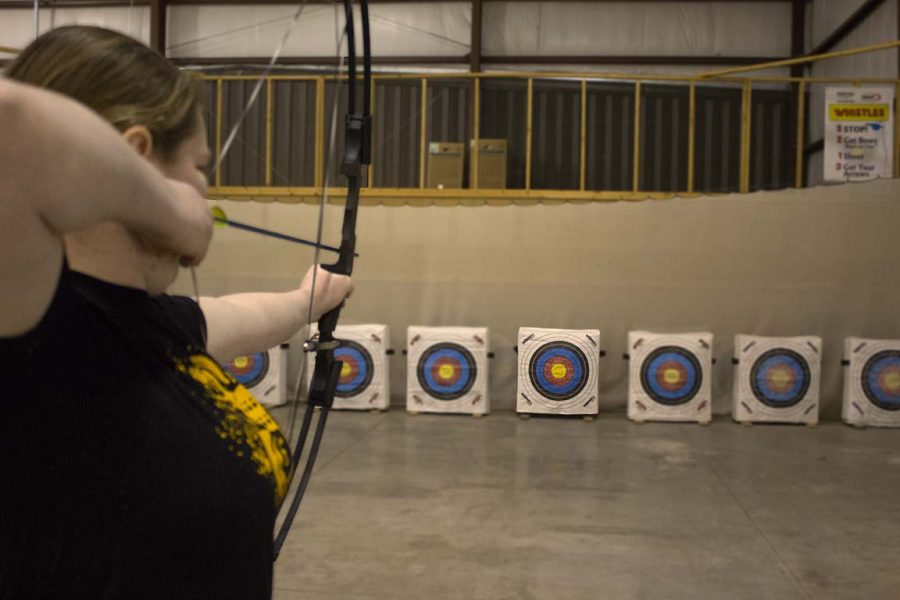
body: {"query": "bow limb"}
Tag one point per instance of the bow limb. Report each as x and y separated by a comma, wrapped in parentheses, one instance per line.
(327, 370)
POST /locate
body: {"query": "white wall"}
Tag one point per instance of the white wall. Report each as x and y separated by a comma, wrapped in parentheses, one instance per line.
(792, 262)
(636, 28)
(443, 29)
(439, 29)
(17, 25)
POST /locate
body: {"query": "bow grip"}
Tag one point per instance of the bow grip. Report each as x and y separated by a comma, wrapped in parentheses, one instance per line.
(328, 321)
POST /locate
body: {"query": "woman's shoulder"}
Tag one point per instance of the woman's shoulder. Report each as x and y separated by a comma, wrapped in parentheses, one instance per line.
(91, 309)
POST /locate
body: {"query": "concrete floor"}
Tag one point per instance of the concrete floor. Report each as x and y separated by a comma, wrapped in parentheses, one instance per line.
(498, 508)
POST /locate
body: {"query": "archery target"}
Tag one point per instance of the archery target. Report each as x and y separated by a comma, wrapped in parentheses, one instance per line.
(356, 369)
(447, 370)
(364, 382)
(249, 370)
(263, 374)
(780, 378)
(558, 371)
(669, 376)
(777, 379)
(872, 382)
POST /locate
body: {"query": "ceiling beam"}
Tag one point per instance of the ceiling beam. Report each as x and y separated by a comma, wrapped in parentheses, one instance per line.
(158, 13)
(19, 4)
(798, 34)
(292, 61)
(848, 26)
(497, 60)
(475, 44)
(607, 59)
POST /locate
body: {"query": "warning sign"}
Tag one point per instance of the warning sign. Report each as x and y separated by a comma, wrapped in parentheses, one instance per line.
(859, 133)
(863, 112)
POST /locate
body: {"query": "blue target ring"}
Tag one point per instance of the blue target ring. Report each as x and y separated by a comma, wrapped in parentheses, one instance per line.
(780, 378)
(881, 379)
(671, 375)
(356, 371)
(558, 370)
(446, 371)
(251, 369)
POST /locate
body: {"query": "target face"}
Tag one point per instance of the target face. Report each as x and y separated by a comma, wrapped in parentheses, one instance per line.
(780, 378)
(881, 379)
(251, 369)
(356, 371)
(446, 371)
(671, 375)
(558, 371)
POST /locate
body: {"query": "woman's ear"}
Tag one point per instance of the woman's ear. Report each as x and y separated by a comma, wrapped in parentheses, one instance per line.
(139, 138)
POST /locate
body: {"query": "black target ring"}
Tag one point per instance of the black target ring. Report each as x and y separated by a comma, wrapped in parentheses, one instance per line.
(251, 369)
(446, 371)
(880, 377)
(357, 369)
(559, 371)
(671, 375)
(780, 378)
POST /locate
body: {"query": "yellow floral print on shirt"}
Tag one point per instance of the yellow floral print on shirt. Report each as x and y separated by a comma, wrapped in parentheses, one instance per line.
(245, 423)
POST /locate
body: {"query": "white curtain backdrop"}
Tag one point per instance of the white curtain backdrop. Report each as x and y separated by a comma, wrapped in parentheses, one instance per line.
(819, 261)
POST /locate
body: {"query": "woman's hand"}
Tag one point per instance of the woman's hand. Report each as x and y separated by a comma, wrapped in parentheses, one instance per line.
(190, 237)
(330, 290)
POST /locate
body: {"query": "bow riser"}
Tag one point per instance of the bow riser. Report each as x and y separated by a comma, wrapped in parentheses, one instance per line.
(327, 370)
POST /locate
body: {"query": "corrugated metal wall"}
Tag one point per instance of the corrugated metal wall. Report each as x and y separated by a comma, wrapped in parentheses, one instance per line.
(556, 135)
(556, 130)
(717, 163)
(503, 113)
(293, 133)
(610, 141)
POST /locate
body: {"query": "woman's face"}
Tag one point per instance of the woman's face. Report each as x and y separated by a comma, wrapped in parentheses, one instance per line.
(188, 164)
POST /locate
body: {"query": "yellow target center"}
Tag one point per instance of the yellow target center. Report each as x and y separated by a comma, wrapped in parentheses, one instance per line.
(241, 362)
(446, 372)
(781, 377)
(892, 382)
(672, 376)
(558, 371)
(345, 369)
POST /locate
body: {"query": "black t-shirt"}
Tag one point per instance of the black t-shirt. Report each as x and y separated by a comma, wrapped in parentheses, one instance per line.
(131, 464)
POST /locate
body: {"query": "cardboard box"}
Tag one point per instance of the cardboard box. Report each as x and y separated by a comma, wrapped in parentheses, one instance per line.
(491, 161)
(445, 165)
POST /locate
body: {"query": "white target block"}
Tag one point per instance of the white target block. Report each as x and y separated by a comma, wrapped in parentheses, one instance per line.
(364, 383)
(264, 374)
(558, 371)
(447, 370)
(776, 379)
(670, 377)
(871, 382)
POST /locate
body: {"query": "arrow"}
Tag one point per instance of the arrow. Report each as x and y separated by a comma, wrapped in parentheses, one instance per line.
(273, 234)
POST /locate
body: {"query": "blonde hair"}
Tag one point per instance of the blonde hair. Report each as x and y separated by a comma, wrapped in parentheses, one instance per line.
(118, 77)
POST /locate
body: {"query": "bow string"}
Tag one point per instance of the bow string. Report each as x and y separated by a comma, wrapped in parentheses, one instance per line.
(357, 152)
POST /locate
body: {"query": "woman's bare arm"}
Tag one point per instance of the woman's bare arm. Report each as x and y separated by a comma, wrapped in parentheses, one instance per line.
(241, 324)
(63, 168)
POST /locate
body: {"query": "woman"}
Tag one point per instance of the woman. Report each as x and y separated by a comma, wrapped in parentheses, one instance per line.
(132, 465)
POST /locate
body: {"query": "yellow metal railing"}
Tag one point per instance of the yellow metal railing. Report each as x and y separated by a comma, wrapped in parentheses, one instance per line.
(474, 195)
(423, 195)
